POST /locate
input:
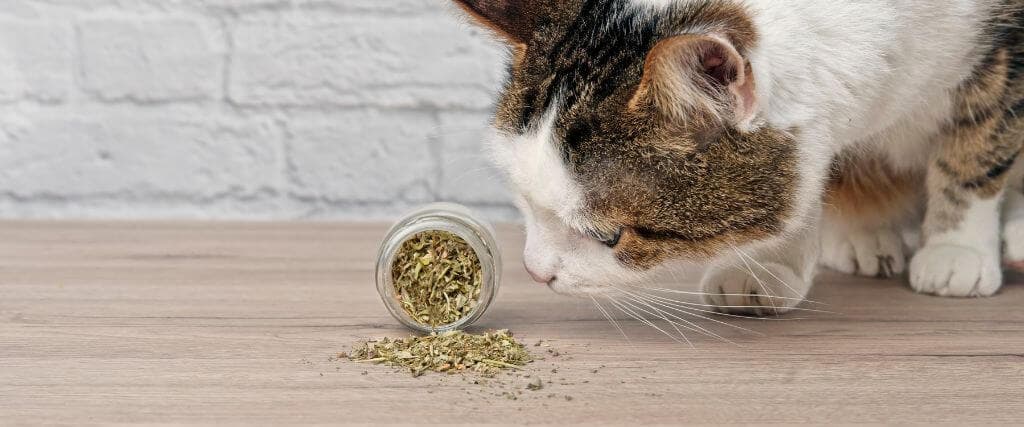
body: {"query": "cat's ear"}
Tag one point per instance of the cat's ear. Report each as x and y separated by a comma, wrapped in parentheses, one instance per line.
(699, 77)
(512, 19)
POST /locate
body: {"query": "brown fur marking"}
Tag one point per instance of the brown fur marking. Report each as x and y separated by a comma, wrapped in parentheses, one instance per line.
(865, 188)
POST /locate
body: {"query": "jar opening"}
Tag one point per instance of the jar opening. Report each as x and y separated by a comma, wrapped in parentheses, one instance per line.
(456, 225)
(437, 277)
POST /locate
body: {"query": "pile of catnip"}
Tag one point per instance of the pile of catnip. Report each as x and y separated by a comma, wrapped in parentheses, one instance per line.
(449, 352)
(437, 278)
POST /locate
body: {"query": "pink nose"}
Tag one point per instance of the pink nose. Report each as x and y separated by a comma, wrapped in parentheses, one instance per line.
(544, 278)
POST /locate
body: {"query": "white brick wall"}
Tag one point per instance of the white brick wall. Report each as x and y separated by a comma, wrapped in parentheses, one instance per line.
(243, 109)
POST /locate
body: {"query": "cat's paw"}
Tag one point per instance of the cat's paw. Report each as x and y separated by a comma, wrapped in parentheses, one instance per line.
(771, 290)
(955, 271)
(1013, 243)
(874, 253)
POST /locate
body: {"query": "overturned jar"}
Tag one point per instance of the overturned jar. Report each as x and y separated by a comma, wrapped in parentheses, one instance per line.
(438, 268)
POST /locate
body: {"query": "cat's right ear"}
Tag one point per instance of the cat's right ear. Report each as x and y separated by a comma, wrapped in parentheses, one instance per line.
(697, 78)
(514, 20)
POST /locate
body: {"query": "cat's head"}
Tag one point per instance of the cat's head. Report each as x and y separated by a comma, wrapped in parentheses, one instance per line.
(630, 133)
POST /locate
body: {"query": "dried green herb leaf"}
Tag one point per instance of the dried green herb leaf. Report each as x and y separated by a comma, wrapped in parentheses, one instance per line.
(451, 352)
(437, 278)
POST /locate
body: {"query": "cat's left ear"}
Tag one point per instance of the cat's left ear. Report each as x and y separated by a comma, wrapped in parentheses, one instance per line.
(515, 20)
(695, 77)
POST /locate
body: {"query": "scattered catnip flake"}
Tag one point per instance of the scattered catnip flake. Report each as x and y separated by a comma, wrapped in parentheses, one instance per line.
(437, 278)
(450, 352)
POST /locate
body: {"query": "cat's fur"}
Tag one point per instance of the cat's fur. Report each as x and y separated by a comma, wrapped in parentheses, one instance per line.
(762, 134)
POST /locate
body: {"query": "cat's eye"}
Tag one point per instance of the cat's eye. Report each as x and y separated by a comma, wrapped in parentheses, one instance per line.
(609, 239)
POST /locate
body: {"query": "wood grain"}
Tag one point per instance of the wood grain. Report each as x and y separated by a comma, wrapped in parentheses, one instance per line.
(235, 323)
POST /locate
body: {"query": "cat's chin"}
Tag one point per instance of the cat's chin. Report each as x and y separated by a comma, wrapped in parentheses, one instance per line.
(577, 289)
(615, 281)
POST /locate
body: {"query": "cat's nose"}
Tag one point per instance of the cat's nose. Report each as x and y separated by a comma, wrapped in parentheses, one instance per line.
(540, 276)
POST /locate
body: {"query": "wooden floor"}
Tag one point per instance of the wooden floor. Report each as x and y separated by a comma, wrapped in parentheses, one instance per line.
(237, 323)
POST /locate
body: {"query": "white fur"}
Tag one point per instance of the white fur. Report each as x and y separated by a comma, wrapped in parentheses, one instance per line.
(873, 74)
(550, 201)
(874, 251)
(964, 261)
(862, 73)
(1013, 229)
(534, 166)
(1013, 219)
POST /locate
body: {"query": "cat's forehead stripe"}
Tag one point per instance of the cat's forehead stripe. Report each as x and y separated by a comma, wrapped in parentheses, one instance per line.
(591, 55)
(602, 47)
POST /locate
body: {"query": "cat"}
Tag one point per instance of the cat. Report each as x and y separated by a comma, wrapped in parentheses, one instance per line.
(763, 138)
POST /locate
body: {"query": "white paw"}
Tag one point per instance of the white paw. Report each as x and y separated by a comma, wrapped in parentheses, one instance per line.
(875, 253)
(1013, 241)
(955, 271)
(774, 289)
(1013, 230)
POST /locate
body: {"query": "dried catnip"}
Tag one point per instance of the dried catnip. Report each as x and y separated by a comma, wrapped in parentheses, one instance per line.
(451, 352)
(437, 278)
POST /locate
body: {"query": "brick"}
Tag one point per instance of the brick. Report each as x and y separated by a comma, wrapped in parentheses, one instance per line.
(19, 9)
(390, 6)
(149, 60)
(389, 61)
(158, 6)
(363, 157)
(35, 61)
(374, 97)
(467, 173)
(132, 156)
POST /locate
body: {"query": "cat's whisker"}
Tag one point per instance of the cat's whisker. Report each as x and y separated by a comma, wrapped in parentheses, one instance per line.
(631, 315)
(662, 314)
(664, 318)
(674, 325)
(693, 304)
(672, 310)
(693, 312)
(758, 279)
(711, 294)
(622, 306)
(675, 279)
(610, 318)
(699, 329)
(689, 310)
(771, 273)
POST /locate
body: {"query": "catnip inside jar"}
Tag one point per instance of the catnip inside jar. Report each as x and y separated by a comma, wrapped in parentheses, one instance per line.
(438, 268)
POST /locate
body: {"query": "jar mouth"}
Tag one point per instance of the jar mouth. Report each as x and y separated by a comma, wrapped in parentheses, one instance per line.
(446, 219)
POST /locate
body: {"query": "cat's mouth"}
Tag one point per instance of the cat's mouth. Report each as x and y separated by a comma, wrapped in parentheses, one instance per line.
(562, 286)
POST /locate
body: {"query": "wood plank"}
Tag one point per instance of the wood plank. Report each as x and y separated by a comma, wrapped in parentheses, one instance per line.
(234, 323)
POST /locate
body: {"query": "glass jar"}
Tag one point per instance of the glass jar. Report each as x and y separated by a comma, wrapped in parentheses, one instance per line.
(451, 218)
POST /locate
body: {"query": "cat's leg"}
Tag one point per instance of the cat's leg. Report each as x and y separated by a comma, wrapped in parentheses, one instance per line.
(866, 207)
(867, 250)
(961, 255)
(767, 281)
(966, 183)
(1013, 221)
